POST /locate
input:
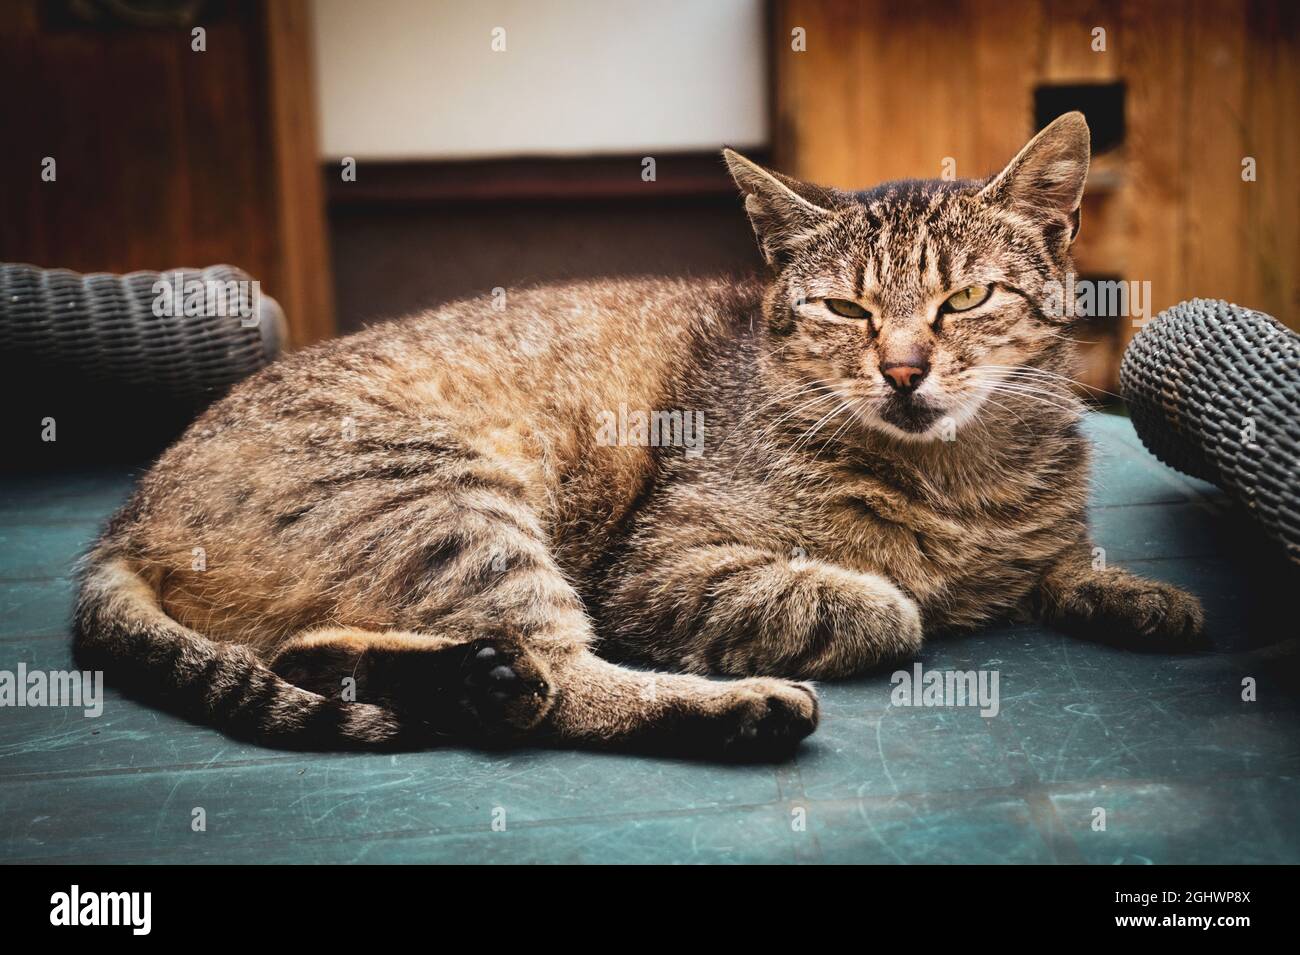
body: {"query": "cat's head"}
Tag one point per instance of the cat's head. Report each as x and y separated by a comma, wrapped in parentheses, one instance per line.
(916, 299)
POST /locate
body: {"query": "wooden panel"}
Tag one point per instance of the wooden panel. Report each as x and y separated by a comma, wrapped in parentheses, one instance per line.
(1271, 265)
(147, 174)
(1008, 51)
(167, 156)
(822, 124)
(1213, 146)
(1102, 246)
(885, 89)
(1069, 55)
(1156, 67)
(303, 246)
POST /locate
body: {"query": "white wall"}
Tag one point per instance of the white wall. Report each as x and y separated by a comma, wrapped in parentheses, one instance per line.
(417, 79)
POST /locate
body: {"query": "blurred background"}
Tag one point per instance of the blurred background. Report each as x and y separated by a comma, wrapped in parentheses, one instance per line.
(366, 159)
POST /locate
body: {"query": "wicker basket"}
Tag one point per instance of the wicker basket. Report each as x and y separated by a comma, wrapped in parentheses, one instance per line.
(129, 330)
(1214, 390)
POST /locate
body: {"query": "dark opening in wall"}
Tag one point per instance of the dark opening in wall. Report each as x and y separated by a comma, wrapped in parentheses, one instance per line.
(1101, 103)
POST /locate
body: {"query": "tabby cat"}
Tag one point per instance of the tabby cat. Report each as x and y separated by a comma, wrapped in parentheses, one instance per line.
(424, 531)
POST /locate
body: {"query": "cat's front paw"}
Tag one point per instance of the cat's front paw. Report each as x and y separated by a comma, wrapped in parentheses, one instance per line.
(762, 719)
(1118, 607)
(909, 633)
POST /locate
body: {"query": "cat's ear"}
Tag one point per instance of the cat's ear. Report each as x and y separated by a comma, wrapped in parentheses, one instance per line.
(1047, 177)
(784, 212)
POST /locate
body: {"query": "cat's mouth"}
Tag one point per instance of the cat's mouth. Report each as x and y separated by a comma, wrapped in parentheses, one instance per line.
(911, 414)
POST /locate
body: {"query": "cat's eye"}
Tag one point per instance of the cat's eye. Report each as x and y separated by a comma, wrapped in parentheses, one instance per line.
(968, 298)
(846, 309)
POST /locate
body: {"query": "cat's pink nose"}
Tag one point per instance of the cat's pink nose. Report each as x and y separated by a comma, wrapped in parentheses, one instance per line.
(904, 377)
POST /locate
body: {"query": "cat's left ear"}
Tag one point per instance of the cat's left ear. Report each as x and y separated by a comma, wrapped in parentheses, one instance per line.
(1047, 177)
(784, 212)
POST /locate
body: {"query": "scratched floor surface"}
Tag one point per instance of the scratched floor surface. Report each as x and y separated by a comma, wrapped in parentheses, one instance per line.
(1185, 770)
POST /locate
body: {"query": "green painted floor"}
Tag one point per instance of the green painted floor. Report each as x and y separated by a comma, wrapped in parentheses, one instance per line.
(1186, 771)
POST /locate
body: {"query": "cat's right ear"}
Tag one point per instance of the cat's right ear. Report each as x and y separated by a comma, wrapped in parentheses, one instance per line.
(784, 212)
(1047, 177)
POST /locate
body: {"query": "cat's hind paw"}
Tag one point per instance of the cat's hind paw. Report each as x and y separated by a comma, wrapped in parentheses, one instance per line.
(1117, 607)
(504, 687)
(487, 688)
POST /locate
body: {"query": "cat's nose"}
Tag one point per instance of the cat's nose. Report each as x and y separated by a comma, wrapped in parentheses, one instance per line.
(905, 376)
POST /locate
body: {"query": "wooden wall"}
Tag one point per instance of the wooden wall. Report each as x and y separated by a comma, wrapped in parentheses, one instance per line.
(166, 156)
(887, 89)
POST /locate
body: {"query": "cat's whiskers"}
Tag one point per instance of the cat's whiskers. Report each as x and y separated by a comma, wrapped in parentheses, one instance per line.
(1022, 375)
(1056, 386)
(854, 405)
(1040, 387)
(989, 399)
(792, 412)
(1029, 371)
(771, 429)
(1045, 399)
(790, 392)
(1067, 338)
(811, 433)
(989, 384)
(801, 411)
(1043, 390)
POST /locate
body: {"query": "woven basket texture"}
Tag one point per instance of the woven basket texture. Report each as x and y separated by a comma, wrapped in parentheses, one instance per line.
(106, 328)
(1214, 390)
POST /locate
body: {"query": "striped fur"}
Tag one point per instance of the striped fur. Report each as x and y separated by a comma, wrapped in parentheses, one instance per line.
(424, 515)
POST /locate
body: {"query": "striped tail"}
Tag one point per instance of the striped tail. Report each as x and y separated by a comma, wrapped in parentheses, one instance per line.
(122, 629)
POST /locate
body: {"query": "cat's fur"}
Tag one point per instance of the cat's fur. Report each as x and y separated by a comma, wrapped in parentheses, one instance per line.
(425, 508)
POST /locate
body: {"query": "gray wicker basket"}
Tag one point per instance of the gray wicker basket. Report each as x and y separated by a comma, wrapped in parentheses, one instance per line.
(1214, 390)
(129, 330)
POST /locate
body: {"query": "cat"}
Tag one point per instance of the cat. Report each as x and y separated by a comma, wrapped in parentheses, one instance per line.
(424, 532)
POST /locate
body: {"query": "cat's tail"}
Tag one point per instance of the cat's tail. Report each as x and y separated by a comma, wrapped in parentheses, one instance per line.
(121, 628)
